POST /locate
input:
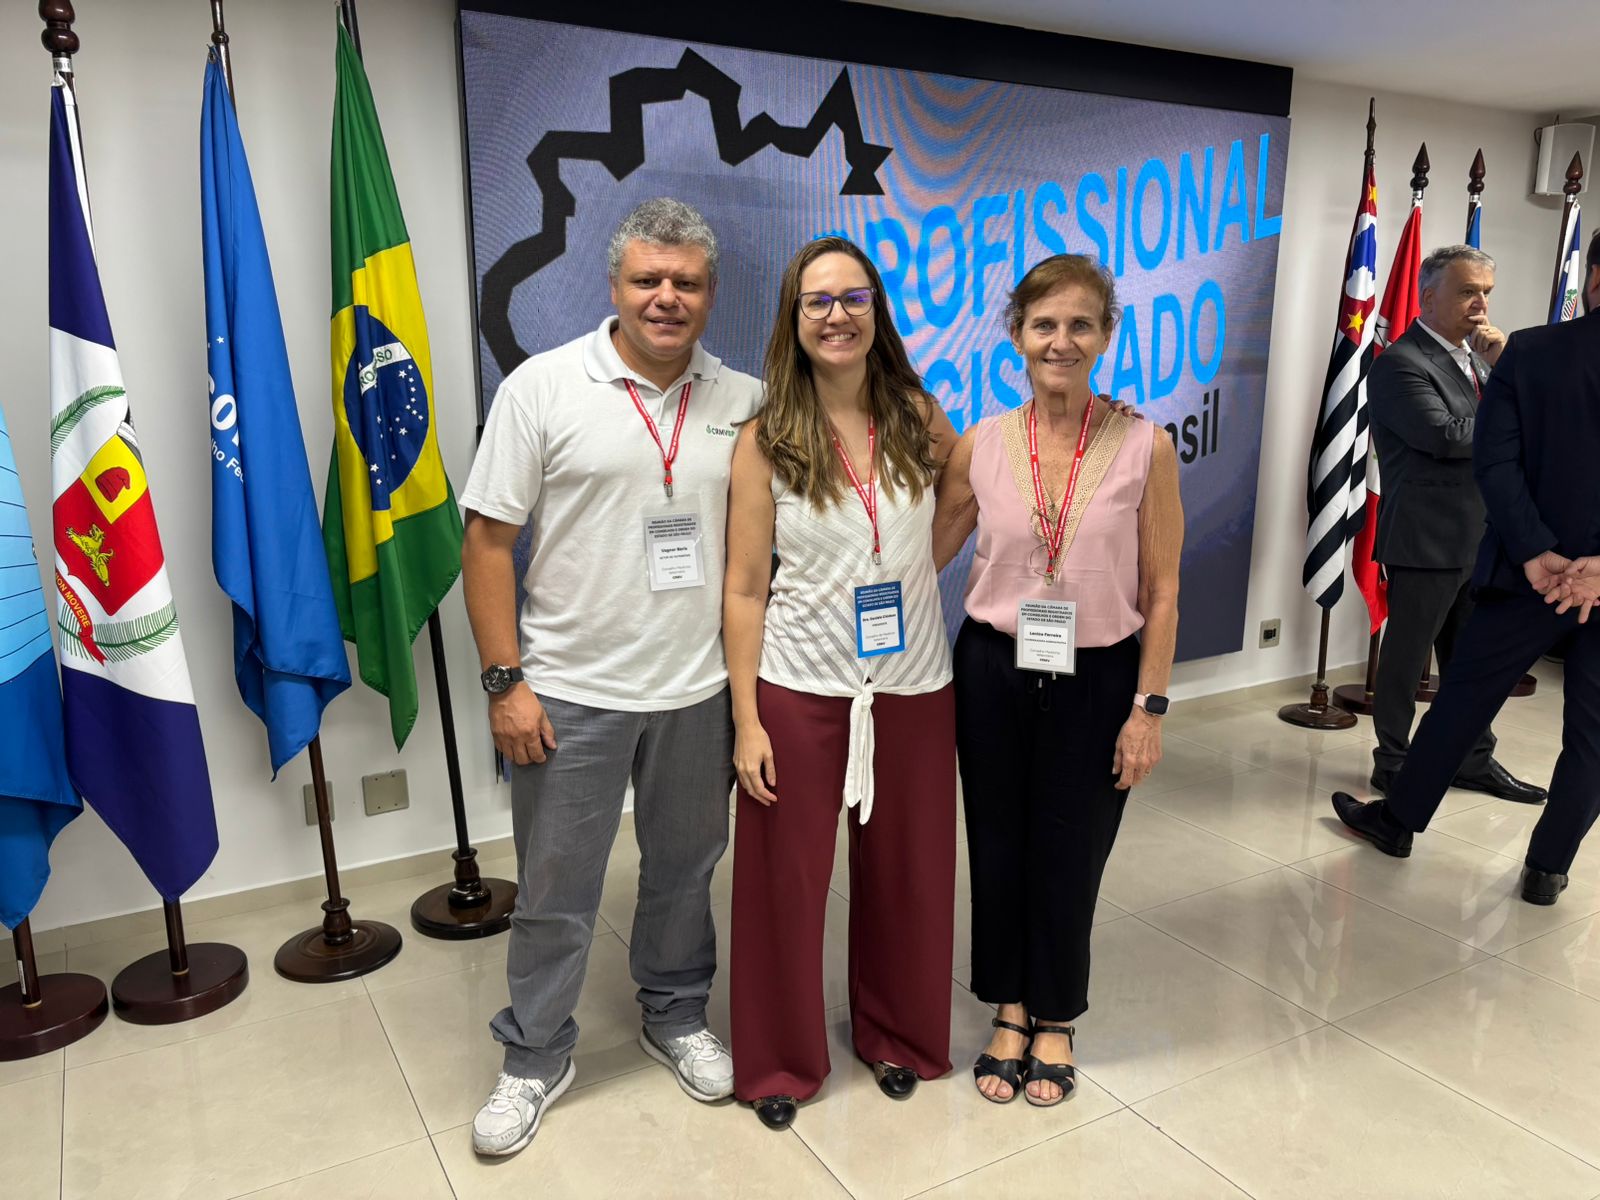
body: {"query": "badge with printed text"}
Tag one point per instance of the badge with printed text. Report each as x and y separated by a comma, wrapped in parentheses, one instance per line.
(1047, 636)
(880, 619)
(672, 551)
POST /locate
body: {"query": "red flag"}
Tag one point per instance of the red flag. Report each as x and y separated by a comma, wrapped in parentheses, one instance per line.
(1400, 296)
(1395, 314)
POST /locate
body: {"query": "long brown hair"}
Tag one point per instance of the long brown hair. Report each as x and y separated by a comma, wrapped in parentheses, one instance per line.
(794, 432)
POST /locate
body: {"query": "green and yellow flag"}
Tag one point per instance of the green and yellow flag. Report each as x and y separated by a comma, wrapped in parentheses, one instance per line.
(390, 523)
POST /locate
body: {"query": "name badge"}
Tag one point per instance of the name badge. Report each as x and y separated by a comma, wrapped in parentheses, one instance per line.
(880, 620)
(1047, 636)
(672, 552)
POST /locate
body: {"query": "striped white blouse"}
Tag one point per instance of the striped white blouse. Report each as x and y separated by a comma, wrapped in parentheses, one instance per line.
(809, 641)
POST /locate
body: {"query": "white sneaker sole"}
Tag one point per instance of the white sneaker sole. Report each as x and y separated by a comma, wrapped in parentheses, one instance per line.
(555, 1093)
(662, 1057)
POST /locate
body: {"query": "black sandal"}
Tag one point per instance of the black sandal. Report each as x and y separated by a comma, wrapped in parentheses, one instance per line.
(1007, 1070)
(1063, 1075)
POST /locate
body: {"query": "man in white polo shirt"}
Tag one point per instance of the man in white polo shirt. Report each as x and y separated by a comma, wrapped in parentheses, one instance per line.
(616, 446)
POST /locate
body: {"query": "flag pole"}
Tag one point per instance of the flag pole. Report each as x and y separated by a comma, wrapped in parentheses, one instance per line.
(184, 981)
(41, 1013)
(340, 948)
(1317, 713)
(219, 39)
(1475, 174)
(1358, 698)
(1570, 189)
(1428, 685)
(470, 906)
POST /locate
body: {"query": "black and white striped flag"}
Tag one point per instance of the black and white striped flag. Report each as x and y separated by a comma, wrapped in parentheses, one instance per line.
(1336, 492)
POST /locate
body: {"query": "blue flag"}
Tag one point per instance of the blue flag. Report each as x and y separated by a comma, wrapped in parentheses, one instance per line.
(1569, 269)
(1475, 224)
(266, 539)
(133, 736)
(36, 800)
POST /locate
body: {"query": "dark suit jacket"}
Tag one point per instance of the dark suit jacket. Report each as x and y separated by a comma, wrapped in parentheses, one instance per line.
(1423, 410)
(1537, 451)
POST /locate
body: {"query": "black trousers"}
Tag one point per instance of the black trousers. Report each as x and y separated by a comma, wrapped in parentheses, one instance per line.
(1505, 637)
(1428, 609)
(1042, 812)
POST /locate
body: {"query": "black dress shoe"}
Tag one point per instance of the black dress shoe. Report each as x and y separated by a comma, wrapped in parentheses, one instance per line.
(1382, 780)
(1373, 822)
(1542, 887)
(894, 1082)
(1500, 783)
(776, 1112)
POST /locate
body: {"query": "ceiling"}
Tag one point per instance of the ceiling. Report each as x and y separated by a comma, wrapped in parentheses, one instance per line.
(1536, 56)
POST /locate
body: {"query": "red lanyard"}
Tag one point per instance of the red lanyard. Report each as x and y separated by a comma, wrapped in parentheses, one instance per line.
(1054, 537)
(668, 455)
(868, 494)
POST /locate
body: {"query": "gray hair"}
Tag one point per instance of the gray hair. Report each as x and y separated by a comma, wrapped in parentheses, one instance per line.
(663, 222)
(1437, 263)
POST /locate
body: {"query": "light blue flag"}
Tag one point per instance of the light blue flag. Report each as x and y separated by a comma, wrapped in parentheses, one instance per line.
(266, 539)
(36, 800)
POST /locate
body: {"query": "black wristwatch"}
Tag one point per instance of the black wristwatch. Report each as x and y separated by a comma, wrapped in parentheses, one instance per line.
(1156, 706)
(497, 679)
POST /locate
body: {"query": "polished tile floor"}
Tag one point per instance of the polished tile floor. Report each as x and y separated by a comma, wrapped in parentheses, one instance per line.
(1277, 1012)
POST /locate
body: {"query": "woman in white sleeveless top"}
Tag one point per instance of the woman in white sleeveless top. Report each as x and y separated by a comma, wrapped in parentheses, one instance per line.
(840, 671)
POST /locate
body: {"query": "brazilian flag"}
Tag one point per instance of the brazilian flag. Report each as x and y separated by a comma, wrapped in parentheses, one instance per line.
(390, 523)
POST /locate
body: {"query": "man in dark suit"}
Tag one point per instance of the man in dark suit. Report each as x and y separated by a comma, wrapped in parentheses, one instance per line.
(1535, 452)
(1423, 394)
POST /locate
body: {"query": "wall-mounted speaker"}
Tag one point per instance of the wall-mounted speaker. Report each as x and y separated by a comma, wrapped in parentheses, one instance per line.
(1557, 145)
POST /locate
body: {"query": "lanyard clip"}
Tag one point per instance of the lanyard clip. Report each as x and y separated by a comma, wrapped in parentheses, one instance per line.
(877, 558)
(667, 486)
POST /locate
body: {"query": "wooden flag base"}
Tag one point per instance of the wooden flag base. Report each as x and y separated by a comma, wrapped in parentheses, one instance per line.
(339, 948)
(471, 907)
(1353, 698)
(182, 982)
(1318, 713)
(41, 1013)
(316, 957)
(69, 1007)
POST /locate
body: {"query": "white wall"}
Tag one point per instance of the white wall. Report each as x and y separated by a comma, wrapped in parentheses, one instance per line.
(139, 87)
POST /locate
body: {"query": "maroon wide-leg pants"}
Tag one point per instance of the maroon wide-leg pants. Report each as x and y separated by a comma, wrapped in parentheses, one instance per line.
(902, 893)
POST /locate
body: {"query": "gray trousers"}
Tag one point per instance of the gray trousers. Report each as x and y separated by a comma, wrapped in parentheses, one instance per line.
(564, 814)
(1428, 609)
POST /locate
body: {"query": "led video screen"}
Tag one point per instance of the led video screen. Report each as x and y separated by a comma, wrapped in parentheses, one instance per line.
(953, 185)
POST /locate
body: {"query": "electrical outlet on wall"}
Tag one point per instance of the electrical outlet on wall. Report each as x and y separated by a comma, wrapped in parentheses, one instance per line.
(1269, 632)
(384, 792)
(310, 794)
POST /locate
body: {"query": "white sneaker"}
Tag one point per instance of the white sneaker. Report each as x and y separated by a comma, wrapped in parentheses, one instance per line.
(509, 1119)
(700, 1061)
